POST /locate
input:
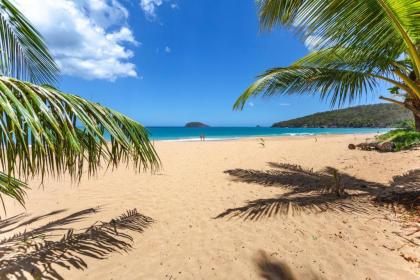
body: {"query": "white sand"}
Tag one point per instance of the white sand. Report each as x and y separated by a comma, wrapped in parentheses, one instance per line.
(187, 241)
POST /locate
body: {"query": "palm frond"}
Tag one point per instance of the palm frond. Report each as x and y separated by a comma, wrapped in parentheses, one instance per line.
(340, 85)
(391, 25)
(23, 52)
(350, 58)
(408, 14)
(356, 20)
(12, 187)
(44, 131)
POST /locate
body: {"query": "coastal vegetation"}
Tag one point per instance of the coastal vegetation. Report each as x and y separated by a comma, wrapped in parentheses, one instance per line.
(402, 139)
(346, 63)
(377, 115)
(44, 131)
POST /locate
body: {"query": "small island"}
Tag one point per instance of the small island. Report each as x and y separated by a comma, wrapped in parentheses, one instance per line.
(196, 124)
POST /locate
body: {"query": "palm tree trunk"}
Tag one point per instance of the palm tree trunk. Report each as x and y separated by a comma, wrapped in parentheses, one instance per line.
(414, 106)
(409, 104)
(417, 122)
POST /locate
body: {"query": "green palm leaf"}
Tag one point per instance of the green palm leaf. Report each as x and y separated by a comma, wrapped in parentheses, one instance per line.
(362, 21)
(23, 53)
(357, 43)
(342, 74)
(356, 59)
(12, 187)
(392, 25)
(46, 132)
(340, 85)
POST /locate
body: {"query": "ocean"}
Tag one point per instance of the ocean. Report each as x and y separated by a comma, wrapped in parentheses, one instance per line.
(223, 133)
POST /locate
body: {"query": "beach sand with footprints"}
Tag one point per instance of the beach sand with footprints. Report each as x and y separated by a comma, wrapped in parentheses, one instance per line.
(220, 210)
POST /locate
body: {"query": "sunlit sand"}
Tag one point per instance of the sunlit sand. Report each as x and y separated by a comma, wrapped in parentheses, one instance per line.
(218, 210)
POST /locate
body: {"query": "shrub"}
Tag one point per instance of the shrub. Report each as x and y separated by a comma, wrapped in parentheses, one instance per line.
(402, 138)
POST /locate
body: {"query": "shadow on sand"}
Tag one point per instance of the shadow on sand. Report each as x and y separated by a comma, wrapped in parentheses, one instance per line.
(269, 268)
(404, 191)
(30, 255)
(314, 192)
(16, 219)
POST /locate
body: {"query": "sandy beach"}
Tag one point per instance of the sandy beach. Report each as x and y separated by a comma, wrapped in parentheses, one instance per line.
(218, 210)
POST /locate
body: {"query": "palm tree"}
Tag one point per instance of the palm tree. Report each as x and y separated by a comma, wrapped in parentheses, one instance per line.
(357, 45)
(44, 131)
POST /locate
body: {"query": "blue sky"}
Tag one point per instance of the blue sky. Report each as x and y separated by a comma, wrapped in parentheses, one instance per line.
(165, 62)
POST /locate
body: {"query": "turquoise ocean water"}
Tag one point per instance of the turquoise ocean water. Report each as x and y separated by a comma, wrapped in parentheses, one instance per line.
(220, 133)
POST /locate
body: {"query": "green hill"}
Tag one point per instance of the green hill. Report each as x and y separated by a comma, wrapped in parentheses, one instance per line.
(378, 115)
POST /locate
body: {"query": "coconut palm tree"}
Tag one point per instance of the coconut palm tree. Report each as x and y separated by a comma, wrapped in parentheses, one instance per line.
(44, 131)
(356, 46)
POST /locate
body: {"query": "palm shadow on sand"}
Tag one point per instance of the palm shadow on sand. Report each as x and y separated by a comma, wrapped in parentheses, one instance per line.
(16, 220)
(32, 254)
(270, 268)
(311, 192)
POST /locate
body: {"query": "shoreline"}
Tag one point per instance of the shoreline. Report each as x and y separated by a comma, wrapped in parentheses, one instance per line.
(272, 137)
(181, 134)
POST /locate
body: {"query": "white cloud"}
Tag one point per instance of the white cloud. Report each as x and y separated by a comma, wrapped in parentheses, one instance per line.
(149, 7)
(87, 37)
(285, 104)
(251, 104)
(167, 49)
